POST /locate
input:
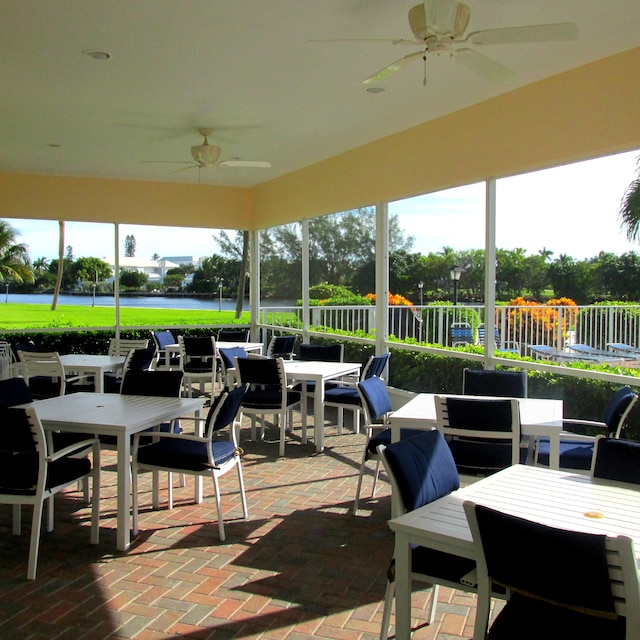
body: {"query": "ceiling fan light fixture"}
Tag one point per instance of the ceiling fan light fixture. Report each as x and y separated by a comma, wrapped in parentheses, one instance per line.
(440, 18)
(205, 153)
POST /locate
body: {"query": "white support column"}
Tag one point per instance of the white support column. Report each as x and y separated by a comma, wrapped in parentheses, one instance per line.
(254, 281)
(382, 277)
(116, 277)
(490, 273)
(305, 280)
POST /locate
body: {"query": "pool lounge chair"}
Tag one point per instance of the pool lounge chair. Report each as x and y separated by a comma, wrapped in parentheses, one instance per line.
(600, 354)
(624, 350)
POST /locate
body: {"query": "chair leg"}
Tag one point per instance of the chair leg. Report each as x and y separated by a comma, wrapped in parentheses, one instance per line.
(243, 496)
(34, 545)
(50, 513)
(375, 478)
(386, 612)
(359, 487)
(283, 428)
(170, 489)
(433, 603)
(216, 486)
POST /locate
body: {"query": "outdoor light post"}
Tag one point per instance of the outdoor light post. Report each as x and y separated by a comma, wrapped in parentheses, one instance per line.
(95, 284)
(455, 274)
(6, 292)
(220, 295)
(420, 288)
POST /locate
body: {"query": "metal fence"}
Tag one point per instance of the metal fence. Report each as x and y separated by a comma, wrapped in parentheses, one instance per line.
(515, 328)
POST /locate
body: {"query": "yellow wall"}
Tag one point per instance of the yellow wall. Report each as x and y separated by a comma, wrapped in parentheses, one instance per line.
(584, 113)
(130, 201)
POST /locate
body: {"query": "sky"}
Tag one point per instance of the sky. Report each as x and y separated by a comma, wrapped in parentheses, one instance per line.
(570, 210)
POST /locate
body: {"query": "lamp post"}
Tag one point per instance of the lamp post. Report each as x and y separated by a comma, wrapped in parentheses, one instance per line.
(220, 295)
(6, 292)
(95, 284)
(455, 274)
(420, 288)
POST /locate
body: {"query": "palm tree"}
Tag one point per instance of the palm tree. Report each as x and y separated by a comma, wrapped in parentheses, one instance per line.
(14, 257)
(630, 208)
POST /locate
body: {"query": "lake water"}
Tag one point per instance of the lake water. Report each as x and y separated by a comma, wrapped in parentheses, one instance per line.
(153, 302)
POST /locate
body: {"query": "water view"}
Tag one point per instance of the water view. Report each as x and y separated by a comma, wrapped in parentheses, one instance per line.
(154, 302)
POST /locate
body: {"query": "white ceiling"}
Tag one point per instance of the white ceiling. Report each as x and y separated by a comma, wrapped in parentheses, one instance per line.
(246, 69)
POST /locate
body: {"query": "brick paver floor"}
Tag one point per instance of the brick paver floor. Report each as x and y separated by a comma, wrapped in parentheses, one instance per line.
(301, 566)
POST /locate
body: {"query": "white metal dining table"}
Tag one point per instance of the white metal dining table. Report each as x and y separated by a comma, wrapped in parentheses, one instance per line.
(319, 372)
(116, 415)
(539, 418)
(96, 365)
(555, 498)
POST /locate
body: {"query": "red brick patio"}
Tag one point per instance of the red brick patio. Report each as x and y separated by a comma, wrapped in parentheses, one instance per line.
(302, 566)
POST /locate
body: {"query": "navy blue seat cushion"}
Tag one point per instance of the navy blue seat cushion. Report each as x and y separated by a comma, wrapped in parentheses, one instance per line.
(342, 395)
(14, 391)
(485, 382)
(384, 438)
(270, 397)
(175, 453)
(423, 467)
(618, 460)
(19, 472)
(573, 454)
(528, 619)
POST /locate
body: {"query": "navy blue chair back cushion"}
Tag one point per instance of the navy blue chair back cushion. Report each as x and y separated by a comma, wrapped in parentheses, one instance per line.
(226, 413)
(618, 460)
(508, 384)
(260, 371)
(566, 567)
(142, 358)
(18, 453)
(283, 346)
(228, 354)
(376, 366)
(375, 393)
(321, 352)
(14, 391)
(152, 383)
(423, 467)
(163, 338)
(617, 406)
(233, 335)
(480, 415)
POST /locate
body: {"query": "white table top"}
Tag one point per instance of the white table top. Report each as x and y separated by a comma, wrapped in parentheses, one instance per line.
(79, 360)
(303, 369)
(554, 498)
(533, 411)
(111, 413)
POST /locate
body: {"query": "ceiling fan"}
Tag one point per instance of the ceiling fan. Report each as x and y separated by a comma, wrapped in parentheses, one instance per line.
(206, 155)
(439, 25)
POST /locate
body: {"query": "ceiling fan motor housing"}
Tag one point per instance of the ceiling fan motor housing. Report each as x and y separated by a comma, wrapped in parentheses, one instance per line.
(440, 18)
(205, 153)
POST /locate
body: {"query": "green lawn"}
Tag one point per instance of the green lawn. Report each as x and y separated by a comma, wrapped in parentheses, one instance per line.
(39, 316)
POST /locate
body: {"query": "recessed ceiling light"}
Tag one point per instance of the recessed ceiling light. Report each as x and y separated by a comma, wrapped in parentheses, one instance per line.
(96, 54)
(375, 89)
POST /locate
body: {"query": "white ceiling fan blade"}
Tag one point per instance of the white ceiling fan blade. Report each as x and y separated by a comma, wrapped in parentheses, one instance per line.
(392, 68)
(481, 65)
(524, 35)
(167, 161)
(193, 166)
(258, 164)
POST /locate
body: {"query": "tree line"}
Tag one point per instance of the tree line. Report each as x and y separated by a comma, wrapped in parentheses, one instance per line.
(342, 253)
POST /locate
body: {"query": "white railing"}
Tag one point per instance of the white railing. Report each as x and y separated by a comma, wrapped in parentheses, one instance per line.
(515, 326)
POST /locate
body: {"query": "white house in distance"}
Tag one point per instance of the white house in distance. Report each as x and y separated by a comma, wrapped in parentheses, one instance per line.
(156, 270)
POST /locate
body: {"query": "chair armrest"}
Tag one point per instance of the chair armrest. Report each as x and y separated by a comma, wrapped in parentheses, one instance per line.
(582, 427)
(76, 447)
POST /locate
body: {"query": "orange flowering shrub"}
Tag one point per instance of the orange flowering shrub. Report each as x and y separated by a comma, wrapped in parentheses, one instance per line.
(395, 299)
(542, 323)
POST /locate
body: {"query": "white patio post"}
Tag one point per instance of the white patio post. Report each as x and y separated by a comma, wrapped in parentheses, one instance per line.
(382, 277)
(254, 282)
(305, 281)
(116, 278)
(490, 273)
